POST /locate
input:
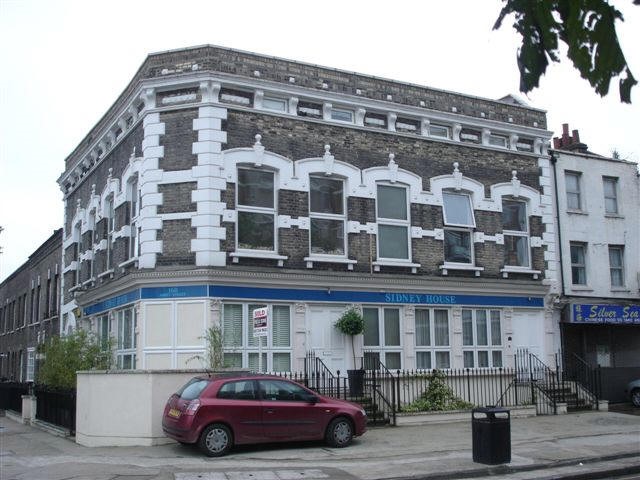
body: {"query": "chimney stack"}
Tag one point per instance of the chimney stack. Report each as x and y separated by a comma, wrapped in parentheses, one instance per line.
(569, 142)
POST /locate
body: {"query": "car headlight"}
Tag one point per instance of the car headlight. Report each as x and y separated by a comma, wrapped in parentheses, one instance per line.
(363, 412)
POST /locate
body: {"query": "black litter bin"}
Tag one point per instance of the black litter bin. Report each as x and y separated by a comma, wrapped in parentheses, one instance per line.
(491, 433)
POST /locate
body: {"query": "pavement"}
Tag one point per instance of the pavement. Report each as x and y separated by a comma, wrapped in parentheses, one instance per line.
(583, 445)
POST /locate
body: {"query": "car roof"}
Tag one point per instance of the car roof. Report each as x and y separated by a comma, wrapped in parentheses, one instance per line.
(240, 375)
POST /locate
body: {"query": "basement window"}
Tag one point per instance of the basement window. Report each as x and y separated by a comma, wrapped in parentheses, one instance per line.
(237, 97)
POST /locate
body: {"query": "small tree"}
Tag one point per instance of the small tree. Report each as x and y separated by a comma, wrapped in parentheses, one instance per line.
(213, 358)
(64, 356)
(351, 323)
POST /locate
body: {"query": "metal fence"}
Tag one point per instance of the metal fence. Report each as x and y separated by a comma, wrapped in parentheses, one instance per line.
(56, 406)
(11, 395)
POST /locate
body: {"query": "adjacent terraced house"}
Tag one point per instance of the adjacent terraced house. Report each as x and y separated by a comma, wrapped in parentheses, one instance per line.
(221, 181)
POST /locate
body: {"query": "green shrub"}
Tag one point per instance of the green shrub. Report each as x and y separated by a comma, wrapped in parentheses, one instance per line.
(64, 356)
(437, 397)
(213, 358)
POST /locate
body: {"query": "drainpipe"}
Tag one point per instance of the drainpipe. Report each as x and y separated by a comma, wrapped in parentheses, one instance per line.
(554, 162)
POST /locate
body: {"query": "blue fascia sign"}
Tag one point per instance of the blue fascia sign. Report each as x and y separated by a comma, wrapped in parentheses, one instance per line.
(310, 295)
(609, 314)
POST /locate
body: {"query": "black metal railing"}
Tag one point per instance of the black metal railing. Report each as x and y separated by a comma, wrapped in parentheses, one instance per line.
(381, 388)
(11, 395)
(585, 381)
(546, 388)
(56, 406)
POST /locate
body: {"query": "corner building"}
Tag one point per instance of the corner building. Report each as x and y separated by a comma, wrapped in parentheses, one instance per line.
(221, 181)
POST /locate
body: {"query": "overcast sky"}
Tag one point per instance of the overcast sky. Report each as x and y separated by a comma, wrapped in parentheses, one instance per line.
(63, 63)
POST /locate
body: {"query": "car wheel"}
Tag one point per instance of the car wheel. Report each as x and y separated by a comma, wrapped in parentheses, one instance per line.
(339, 432)
(216, 440)
(635, 397)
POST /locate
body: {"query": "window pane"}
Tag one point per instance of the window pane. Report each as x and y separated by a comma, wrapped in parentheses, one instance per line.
(468, 359)
(481, 327)
(423, 360)
(232, 360)
(578, 270)
(392, 360)
(467, 327)
(457, 209)
(251, 340)
(392, 202)
(255, 231)
(572, 184)
(281, 362)
(611, 205)
(516, 251)
(496, 332)
(327, 236)
(573, 201)
(253, 362)
(393, 241)
(391, 326)
(281, 330)
(610, 195)
(371, 360)
(255, 188)
(274, 104)
(326, 195)
(442, 360)
(371, 328)
(342, 115)
(483, 359)
(457, 246)
(423, 328)
(514, 216)
(441, 328)
(496, 358)
(577, 254)
(232, 326)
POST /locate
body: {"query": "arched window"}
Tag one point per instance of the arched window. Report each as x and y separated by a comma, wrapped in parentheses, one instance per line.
(256, 206)
(515, 226)
(327, 216)
(392, 211)
(459, 223)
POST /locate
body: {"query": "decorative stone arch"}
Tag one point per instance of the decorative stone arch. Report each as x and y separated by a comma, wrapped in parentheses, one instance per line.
(516, 190)
(330, 167)
(392, 174)
(258, 157)
(112, 187)
(459, 183)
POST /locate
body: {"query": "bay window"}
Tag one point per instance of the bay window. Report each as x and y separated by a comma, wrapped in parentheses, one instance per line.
(256, 210)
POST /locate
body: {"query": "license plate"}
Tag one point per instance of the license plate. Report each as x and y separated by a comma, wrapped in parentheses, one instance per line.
(174, 412)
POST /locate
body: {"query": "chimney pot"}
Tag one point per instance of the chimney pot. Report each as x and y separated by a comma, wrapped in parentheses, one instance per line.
(576, 136)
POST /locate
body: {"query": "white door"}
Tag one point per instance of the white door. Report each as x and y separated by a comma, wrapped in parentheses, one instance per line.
(528, 332)
(325, 341)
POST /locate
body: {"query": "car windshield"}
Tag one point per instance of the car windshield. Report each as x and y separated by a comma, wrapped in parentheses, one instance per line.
(192, 389)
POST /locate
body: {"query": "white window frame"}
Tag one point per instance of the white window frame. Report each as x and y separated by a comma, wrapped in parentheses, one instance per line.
(460, 227)
(78, 230)
(329, 216)
(439, 131)
(260, 210)
(475, 348)
(130, 350)
(133, 196)
(248, 347)
(111, 225)
(431, 348)
(583, 266)
(92, 240)
(518, 233)
(617, 268)
(394, 222)
(577, 192)
(382, 349)
(499, 141)
(274, 100)
(342, 111)
(31, 364)
(613, 198)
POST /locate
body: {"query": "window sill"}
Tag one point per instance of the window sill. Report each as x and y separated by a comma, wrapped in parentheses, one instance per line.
(613, 215)
(89, 283)
(106, 273)
(581, 288)
(236, 256)
(507, 270)
(395, 263)
(445, 267)
(310, 260)
(126, 263)
(74, 288)
(620, 289)
(577, 212)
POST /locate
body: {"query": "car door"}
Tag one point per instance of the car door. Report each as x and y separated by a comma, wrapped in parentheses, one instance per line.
(237, 404)
(288, 413)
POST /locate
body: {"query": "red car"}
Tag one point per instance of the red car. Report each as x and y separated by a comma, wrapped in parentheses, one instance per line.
(218, 412)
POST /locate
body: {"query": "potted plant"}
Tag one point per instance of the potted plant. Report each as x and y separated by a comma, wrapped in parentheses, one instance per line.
(351, 323)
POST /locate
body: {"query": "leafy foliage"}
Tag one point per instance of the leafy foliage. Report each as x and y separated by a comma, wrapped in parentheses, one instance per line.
(64, 356)
(587, 27)
(437, 397)
(213, 358)
(351, 323)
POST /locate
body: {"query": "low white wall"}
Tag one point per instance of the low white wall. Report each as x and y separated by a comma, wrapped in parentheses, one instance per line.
(124, 408)
(427, 418)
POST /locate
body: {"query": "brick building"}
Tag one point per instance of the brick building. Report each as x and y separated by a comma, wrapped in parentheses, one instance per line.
(599, 248)
(221, 180)
(29, 306)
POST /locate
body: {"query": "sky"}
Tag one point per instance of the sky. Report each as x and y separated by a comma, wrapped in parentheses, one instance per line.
(64, 62)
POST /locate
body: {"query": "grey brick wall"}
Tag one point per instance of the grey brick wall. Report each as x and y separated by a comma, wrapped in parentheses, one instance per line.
(176, 197)
(176, 236)
(178, 140)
